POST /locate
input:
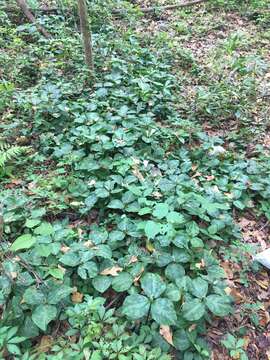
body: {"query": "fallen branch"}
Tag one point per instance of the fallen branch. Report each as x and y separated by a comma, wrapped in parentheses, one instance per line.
(23, 5)
(163, 8)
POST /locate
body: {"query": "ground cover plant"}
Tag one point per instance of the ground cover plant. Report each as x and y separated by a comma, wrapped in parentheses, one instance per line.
(132, 199)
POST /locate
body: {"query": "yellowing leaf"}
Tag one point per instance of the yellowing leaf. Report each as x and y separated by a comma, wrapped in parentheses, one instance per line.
(112, 271)
(166, 333)
(46, 343)
(149, 246)
(77, 297)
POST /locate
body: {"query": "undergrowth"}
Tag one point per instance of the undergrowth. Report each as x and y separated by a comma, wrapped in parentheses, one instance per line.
(112, 225)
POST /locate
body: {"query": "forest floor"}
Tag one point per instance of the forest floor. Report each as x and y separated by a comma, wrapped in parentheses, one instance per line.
(219, 60)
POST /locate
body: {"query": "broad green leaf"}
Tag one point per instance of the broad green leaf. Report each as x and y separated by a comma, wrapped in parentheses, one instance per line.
(181, 255)
(57, 273)
(198, 287)
(43, 315)
(88, 270)
(31, 223)
(219, 305)
(58, 293)
(103, 251)
(152, 285)
(13, 349)
(152, 228)
(196, 242)
(174, 272)
(181, 340)
(98, 236)
(32, 296)
(175, 218)
(193, 310)
(23, 242)
(163, 312)
(115, 204)
(122, 282)
(44, 229)
(135, 306)
(101, 283)
(70, 259)
(90, 201)
(161, 210)
(116, 235)
(192, 229)
(173, 292)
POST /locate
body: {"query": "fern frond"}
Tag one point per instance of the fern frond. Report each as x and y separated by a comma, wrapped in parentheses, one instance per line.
(9, 152)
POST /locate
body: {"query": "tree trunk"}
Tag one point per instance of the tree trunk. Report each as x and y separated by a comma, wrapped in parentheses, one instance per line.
(86, 34)
(23, 5)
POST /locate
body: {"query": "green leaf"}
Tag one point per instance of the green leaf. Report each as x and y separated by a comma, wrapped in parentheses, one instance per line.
(58, 293)
(175, 218)
(193, 229)
(88, 270)
(32, 296)
(161, 210)
(115, 204)
(173, 292)
(153, 285)
(13, 349)
(162, 311)
(135, 306)
(219, 305)
(193, 310)
(31, 223)
(181, 340)
(57, 273)
(90, 201)
(23, 242)
(196, 242)
(122, 282)
(44, 229)
(198, 287)
(181, 255)
(116, 235)
(152, 229)
(70, 259)
(174, 272)
(101, 283)
(43, 315)
(103, 251)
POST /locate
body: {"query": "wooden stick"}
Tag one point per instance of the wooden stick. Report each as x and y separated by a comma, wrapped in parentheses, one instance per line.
(23, 5)
(86, 35)
(163, 8)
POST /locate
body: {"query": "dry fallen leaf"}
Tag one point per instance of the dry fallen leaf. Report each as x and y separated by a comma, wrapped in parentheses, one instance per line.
(133, 259)
(209, 177)
(77, 297)
(166, 333)
(239, 298)
(112, 271)
(65, 249)
(46, 343)
(263, 284)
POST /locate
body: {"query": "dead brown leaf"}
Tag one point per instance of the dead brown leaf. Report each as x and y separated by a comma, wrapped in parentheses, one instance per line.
(65, 249)
(112, 271)
(166, 333)
(133, 259)
(46, 343)
(77, 297)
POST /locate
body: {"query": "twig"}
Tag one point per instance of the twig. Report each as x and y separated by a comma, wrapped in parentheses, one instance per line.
(163, 8)
(264, 226)
(23, 5)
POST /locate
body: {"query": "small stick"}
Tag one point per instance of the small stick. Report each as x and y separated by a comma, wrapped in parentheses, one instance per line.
(163, 8)
(23, 5)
